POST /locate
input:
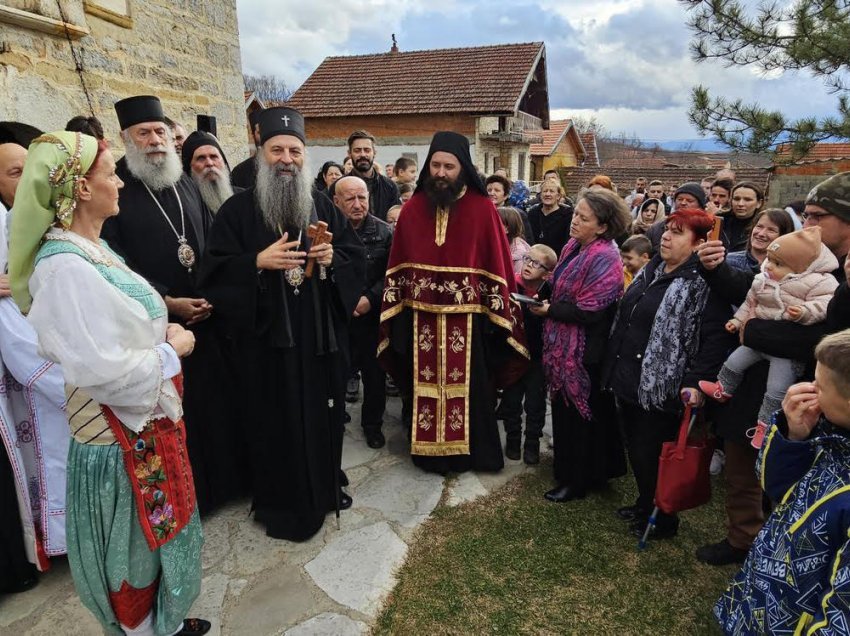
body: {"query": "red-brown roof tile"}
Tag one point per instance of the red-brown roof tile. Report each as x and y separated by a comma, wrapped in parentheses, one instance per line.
(588, 139)
(551, 138)
(819, 152)
(624, 178)
(484, 79)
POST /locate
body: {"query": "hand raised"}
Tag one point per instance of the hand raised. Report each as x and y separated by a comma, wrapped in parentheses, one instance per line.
(711, 254)
(281, 255)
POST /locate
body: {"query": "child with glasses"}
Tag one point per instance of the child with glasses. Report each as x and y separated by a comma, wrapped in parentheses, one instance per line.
(537, 265)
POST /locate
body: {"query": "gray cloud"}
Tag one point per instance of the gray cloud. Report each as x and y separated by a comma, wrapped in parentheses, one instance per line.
(623, 56)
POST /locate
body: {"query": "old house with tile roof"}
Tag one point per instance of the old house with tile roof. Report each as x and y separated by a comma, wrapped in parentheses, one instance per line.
(497, 96)
(561, 147)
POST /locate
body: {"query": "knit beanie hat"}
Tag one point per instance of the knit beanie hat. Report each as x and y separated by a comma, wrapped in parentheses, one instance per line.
(798, 249)
(694, 189)
(833, 195)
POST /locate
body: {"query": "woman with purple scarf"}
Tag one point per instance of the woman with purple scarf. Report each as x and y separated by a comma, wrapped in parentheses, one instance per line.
(586, 284)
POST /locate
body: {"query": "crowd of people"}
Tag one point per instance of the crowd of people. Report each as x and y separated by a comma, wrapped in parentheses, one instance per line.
(200, 331)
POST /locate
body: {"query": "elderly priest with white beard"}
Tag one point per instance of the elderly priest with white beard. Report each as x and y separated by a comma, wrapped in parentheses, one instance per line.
(204, 161)
(161, 231)
(287, 296)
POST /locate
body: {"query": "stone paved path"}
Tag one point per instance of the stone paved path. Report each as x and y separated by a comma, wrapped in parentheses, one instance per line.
(333, 584)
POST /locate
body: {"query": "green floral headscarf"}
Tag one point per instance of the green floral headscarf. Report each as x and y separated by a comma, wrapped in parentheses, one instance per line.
(47, 192)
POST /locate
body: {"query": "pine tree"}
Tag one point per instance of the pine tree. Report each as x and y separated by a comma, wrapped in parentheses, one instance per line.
(800, 36)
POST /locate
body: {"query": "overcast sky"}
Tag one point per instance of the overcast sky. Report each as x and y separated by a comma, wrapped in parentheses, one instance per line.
(626, 61)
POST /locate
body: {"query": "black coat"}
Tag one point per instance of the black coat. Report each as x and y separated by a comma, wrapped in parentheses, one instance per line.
(551, 229)
(383, 194)
(637, 315)
(377, 238)
(735, 232)
(244, 174)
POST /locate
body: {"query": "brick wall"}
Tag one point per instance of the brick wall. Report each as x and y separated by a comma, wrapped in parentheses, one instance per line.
(184, 51)
(388, 129)
(793, 182)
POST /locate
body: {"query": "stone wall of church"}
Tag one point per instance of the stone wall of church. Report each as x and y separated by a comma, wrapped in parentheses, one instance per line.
(184, 51)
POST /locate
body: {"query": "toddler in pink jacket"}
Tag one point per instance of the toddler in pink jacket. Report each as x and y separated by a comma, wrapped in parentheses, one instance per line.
(796, 283)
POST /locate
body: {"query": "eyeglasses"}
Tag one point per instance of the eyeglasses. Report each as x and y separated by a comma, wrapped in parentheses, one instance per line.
(815, 217)
(534, 264)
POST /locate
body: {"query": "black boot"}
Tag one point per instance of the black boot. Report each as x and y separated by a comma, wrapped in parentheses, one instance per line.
(531, 452)
(512, 447)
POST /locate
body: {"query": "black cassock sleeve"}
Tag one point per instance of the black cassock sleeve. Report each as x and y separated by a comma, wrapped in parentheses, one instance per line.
(229, 277)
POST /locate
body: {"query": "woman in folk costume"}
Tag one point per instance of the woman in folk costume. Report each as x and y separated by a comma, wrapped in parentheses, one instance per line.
(134, 538)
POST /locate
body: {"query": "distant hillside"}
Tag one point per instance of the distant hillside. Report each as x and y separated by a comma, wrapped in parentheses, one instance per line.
(694, 145)
(649, 154)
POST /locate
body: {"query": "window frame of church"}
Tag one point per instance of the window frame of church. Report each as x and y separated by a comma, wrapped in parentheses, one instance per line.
(121, 18)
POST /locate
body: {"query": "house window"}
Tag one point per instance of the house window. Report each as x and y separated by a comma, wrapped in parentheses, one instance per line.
(486, 162)
(496, 163)
(521, 167)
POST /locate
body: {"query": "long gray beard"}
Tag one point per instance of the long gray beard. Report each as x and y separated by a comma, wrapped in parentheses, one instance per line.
(284, 200)
(216, 192)
(156, 173)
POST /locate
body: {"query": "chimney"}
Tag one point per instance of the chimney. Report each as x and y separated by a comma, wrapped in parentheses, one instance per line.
(394, 48)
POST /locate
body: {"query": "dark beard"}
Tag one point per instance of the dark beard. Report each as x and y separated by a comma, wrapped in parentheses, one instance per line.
(286, 201)
(442, 192)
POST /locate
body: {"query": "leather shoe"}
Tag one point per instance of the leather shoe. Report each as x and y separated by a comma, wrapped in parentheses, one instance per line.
(343, 478)
(531, 454)
(194, 627)
(345, 500)
(375, 439)
(562, 494)
(631, 513)
(721, 553)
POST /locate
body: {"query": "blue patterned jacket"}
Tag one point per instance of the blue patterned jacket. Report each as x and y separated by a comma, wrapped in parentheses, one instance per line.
(796, 579)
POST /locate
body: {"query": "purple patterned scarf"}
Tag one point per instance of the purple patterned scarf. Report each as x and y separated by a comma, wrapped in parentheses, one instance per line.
(592, 281)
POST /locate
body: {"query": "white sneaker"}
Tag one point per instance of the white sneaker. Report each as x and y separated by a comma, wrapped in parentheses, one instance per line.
(718, 461)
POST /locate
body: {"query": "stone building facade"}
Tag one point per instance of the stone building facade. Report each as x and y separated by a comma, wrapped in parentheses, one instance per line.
(184, 51)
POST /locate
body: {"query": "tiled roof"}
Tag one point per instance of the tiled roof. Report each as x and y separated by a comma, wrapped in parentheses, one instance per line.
(589, 141)
(551, 138)
(648, 162)
(818, 152)
(624, 178)
(484, 79)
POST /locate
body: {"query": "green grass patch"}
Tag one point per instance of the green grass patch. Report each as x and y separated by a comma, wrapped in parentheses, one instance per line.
(513, 563)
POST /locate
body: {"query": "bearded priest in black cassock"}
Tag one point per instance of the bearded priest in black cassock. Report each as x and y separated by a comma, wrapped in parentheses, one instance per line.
(161, 232)
(290, 329)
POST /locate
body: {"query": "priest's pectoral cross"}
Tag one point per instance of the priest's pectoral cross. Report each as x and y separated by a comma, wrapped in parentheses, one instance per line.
(319, 234)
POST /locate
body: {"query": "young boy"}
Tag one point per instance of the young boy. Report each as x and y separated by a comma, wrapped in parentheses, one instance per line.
(635, 252)
(537, 266)
(796, 578)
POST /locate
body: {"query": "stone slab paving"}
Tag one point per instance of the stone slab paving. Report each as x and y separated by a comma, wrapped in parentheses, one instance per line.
(334, 584)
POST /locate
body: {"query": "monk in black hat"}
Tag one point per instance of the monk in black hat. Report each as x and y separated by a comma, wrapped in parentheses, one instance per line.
(290, 327)
(162, 232)
(204, 161)
(450, 333)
